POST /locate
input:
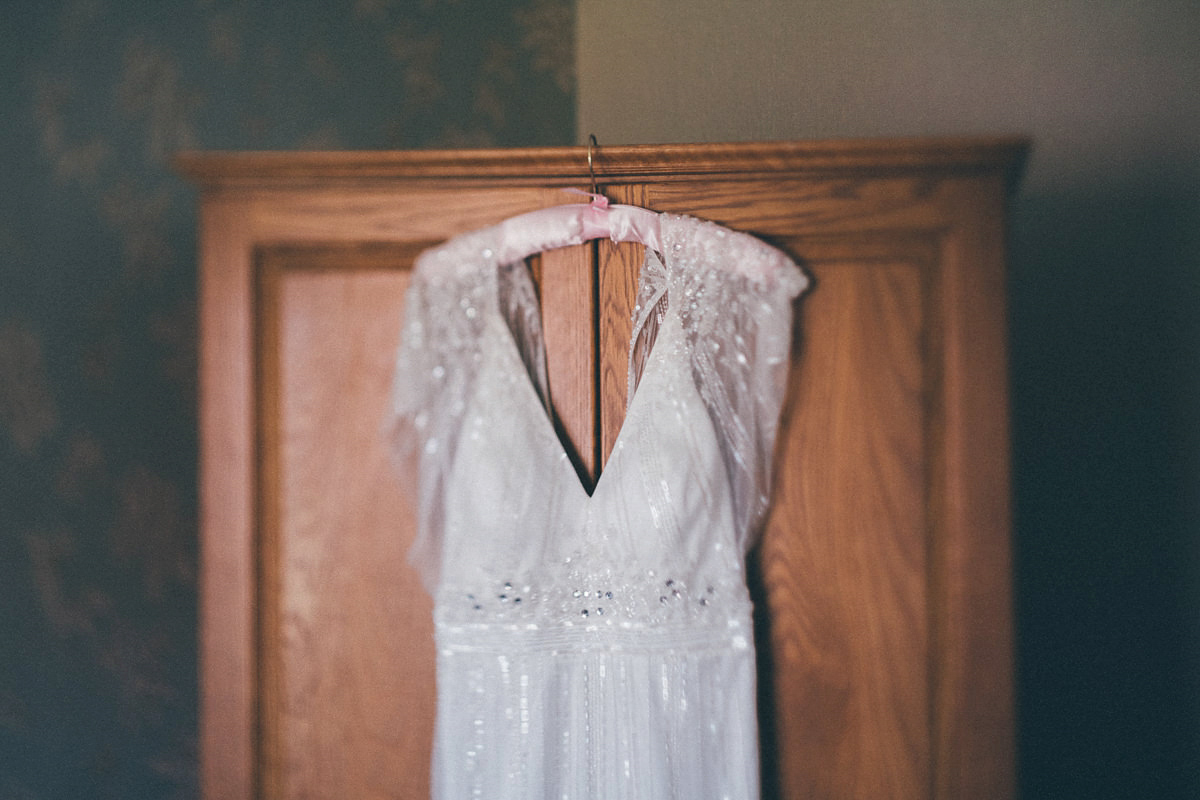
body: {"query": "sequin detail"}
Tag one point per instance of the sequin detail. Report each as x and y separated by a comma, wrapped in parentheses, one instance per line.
(644, 601)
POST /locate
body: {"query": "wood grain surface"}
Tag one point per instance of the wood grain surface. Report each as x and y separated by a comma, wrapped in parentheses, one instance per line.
(567, 288)
(346, 629)
(618, 267)
(228, 660)
(883, 576)
(620, 164)
(844, 555)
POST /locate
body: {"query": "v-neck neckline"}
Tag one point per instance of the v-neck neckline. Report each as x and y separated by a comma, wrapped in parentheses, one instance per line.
(543, 409)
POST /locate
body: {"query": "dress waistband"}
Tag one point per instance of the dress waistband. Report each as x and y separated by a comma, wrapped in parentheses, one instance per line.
(723, 635)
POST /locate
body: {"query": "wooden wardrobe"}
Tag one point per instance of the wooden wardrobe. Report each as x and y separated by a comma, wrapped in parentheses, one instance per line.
(883, 581)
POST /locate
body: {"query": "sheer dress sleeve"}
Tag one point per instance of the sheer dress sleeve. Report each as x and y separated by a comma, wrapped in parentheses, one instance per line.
(435, 368)
(736, 294)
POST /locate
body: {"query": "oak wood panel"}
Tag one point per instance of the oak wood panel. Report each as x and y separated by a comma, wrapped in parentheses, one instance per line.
(844, 555)
(613, 164)
(346, 683)
(973, 712)
(228, 652)
(618, 268)
(271, 752)
(364, 215)
(568, 287)
(355, 702)
(788, 205)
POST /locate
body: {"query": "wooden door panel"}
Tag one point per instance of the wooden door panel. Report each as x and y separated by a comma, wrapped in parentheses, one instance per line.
(567, 290)
(815, 205)
(346, 692)
(618, 267)
(844, 555)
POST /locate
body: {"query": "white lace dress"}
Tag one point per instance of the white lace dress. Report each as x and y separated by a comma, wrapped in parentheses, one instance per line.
(595, 646)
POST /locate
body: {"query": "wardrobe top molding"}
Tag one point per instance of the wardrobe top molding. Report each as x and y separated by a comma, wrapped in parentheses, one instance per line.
(614, 164)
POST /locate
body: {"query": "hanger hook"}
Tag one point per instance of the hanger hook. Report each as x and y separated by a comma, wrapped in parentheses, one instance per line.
(591, 169)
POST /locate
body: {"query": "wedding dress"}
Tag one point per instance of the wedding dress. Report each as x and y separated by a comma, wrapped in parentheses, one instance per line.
(594, 644)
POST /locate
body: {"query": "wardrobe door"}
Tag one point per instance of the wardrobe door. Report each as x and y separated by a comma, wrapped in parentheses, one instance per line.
(317, 657)
(882, 580)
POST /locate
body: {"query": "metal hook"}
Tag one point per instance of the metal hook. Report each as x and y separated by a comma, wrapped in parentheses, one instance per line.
(591, 169)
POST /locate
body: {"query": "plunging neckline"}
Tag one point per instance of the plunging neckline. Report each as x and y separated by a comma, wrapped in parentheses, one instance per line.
(544, 411)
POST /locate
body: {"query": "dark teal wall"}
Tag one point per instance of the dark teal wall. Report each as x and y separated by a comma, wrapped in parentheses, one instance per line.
(1105, 353)
(97, 306)
(1105, 333)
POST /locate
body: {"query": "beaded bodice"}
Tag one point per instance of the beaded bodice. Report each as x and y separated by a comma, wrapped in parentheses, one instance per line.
(595, 644)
